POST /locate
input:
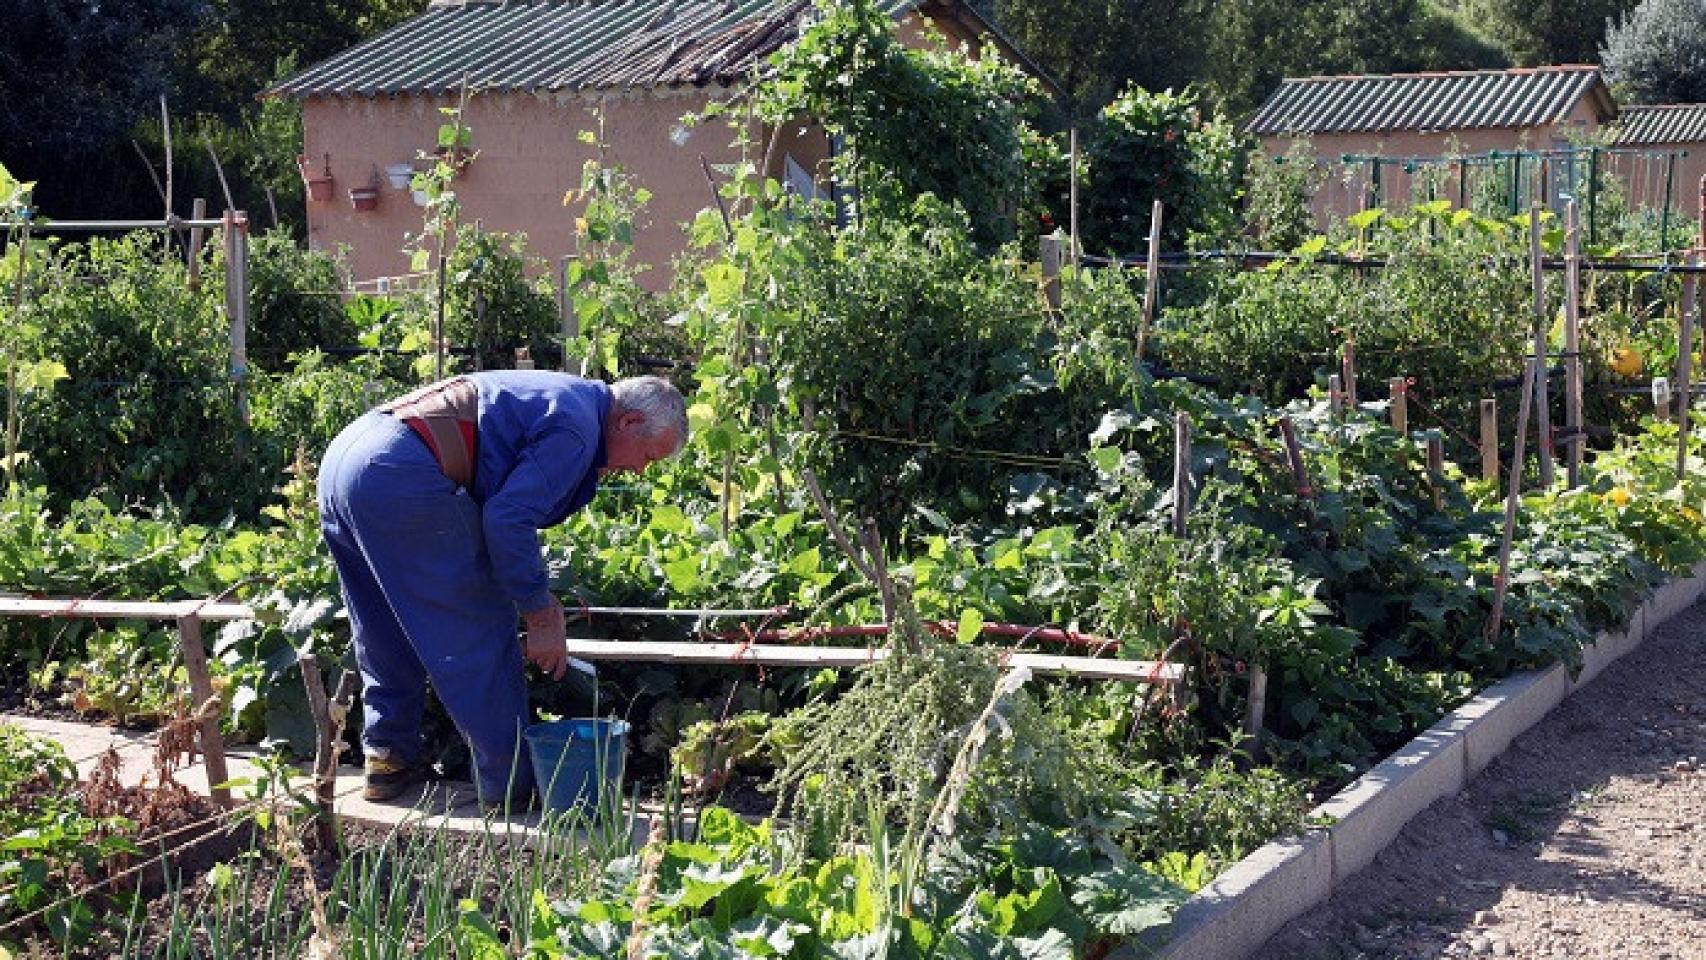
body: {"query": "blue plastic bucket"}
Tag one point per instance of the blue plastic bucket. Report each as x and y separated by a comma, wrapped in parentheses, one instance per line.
(578, 763)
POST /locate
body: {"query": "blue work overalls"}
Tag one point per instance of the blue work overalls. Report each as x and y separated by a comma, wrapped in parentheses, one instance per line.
(434, 576)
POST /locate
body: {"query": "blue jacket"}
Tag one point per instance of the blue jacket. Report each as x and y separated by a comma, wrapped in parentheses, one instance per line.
(541, 445)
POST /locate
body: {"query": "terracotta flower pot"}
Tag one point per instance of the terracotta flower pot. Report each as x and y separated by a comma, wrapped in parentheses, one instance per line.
(364, 198)
(319, 185)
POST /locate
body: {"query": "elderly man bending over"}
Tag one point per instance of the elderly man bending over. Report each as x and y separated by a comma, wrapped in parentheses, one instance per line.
(431, 506)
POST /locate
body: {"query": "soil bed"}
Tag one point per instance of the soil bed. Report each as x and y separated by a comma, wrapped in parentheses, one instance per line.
(1586, 840)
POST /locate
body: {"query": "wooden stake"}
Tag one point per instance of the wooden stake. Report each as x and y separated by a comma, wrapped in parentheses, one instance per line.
(1685, 368)
(1181, 471)
(192, 257)
(319, 709)
(1399, 386)
(1349, 368)
(872, 540)
(1152, 279)
(1072, 219)
(1049, 251)
(1335, 394)
(566, 310)
(1541, 387)
(236, 227)
(1513, 496)
(1255, 710)
(201, 692)
(1436, 465)
(1573, 422)
(1490, 439)
(1294, 458)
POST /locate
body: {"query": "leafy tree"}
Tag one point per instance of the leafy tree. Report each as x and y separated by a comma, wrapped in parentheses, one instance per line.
(1657, 53)
(1536, 32)
(1252, 45)
(76, 74)
(916, 122)
(1095, 48)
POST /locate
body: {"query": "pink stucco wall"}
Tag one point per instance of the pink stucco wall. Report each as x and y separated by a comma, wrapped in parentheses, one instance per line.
(530, 156)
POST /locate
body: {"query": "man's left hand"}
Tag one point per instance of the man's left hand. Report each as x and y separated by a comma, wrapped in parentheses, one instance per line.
(547, 640)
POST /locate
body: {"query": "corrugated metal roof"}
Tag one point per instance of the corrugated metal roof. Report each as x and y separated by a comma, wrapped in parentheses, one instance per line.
(1662, 123)
(569, 44)
(1478, 99)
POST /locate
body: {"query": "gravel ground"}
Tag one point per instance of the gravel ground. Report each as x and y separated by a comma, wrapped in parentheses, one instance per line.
(1587, 839)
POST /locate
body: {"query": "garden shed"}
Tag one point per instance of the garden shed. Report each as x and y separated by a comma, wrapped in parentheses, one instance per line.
(1668, 144)
(1429, 115)
(539, 71)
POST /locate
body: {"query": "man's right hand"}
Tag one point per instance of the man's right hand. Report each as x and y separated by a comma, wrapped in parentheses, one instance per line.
(547, 640)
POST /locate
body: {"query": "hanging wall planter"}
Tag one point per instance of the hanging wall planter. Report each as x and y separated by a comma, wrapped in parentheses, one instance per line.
(400, 175)
(319, 186)
(364, 198)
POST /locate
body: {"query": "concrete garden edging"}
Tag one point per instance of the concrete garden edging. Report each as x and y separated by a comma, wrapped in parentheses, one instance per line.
(1250, 902)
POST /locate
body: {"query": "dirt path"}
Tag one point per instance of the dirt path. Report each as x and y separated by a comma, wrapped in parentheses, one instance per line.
(1587, 839)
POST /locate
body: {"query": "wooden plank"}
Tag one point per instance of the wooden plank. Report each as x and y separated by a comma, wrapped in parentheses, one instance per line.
(201, 691)
(776, 655)
(122, 609)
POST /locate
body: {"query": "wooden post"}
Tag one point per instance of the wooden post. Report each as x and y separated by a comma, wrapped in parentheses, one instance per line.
(1152, 279)
(192, 257)
(1573, 424)
(1685, 367)
(1513, 496)
(1348, 368)
(1335, 394)
(1255, 710)
(1490, 439)
(1294, 458)
(1436, 465)
(236, 229)
(1049, 251)
(1542, 419)
(566, 310)
(1181, 471)
(1400, 404)
(201, 692)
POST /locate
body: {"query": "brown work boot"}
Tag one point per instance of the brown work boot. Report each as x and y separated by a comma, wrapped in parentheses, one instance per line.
(386, 778)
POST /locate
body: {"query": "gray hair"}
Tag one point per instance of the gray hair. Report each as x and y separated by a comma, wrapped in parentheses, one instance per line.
(657, 400)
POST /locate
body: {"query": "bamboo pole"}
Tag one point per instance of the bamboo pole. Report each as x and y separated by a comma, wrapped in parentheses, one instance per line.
(794, 655)
(1490, 439)
(1400, 408)
(1573, 422)
(1151, 280)
(1513, 496)
(239, 292)
(1542, 418)
(1181, 472)
(201, 690)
